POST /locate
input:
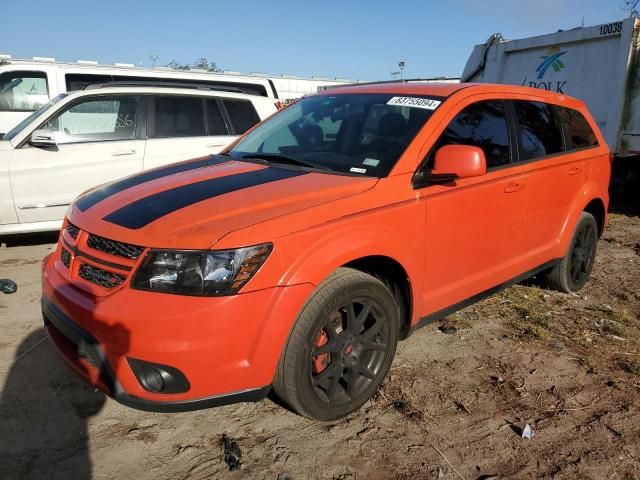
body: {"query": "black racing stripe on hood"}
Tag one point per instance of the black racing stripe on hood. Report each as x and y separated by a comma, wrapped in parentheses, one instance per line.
(148, 209)
(96, 196)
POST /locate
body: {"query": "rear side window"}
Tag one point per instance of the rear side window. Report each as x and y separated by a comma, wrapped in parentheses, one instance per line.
(179, 117)
(215, 121)
(78, 81)
(482, 125)
(242, 114)
(578, 132)
(23, 91)
(540, 130)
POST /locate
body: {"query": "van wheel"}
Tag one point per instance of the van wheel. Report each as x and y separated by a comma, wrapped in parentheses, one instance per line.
(573, 271)
(340, 348)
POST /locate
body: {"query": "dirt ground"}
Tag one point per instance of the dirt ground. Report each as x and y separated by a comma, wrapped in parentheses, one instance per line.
(454, 404)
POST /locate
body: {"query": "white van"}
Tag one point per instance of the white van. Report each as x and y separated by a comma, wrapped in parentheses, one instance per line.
(26, 85)
(89, 137)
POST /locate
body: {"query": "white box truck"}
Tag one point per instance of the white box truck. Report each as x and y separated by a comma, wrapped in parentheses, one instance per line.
(599, 65)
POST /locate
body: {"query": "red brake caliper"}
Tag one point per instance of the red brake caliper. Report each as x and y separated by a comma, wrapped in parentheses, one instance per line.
(321, 361)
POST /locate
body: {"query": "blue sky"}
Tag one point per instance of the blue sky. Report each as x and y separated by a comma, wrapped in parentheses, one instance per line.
(357, 40)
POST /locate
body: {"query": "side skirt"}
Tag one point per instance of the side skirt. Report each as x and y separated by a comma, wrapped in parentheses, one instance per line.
(480, 296)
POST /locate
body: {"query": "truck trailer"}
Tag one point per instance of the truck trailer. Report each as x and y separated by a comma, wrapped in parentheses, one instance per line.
(599, 65)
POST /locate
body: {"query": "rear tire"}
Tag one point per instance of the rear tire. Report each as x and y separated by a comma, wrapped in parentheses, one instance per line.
(573, 271)
(340, 348)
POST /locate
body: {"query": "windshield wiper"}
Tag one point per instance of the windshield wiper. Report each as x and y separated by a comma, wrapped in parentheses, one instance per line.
(279, 158)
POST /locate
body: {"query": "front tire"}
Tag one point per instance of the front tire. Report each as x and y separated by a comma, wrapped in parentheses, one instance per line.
(340, 348)
(573, 271)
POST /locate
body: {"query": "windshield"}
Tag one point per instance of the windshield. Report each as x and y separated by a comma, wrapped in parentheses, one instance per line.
(18, 128)
(361, 134)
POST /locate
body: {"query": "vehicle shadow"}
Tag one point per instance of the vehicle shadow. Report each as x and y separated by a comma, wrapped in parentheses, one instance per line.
(28, 239)
(44, 410)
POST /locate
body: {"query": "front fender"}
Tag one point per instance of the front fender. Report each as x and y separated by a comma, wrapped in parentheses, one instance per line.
(326, 251)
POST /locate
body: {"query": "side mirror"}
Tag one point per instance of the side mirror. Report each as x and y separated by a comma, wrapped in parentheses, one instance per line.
(43, 138)
(453, 162)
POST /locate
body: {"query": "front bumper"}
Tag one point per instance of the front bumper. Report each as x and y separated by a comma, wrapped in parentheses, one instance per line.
(227, 347)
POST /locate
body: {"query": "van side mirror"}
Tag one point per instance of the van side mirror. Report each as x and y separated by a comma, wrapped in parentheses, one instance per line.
(43, 138)
(453, 162)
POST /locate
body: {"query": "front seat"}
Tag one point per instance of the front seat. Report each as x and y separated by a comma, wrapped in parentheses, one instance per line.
(390, 128)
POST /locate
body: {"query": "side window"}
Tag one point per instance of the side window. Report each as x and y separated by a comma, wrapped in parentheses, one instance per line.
(179, 117)
(96, 119)
(215, 121)
(482, 125)
(579, 133)
(242, 114)
(540, 130)
(23, 91)
(78, 81)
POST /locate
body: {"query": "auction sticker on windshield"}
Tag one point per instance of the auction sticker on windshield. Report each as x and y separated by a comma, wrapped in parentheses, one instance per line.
(415, 102)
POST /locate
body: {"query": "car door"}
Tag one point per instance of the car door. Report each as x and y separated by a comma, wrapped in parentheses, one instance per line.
(554, 178)
(98, 140)
(474, 225)
(183, 127)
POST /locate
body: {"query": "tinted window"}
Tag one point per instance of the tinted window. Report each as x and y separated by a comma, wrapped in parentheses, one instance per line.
(23, 91)
(95, 120)
(578, 131)
(179, 117)
(482, 125)
(242, 115)
(215, 121)
(540, 131)
(78, 81)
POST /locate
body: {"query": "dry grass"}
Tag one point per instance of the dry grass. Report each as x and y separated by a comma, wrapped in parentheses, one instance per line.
(630, 364)
(527, 310)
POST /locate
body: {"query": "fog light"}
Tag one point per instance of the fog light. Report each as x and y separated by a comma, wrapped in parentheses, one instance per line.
(153, 379)
(158, 378)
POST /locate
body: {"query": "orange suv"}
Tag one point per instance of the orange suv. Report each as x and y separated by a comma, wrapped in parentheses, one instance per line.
(296, 260)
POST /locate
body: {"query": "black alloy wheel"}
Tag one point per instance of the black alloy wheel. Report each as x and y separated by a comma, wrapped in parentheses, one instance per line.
(349, 351)
(340, 348)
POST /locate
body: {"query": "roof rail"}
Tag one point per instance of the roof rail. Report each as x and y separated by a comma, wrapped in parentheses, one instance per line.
(169, 84)
(406, 80)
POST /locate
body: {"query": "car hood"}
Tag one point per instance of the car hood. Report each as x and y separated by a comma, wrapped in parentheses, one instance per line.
(193, 204)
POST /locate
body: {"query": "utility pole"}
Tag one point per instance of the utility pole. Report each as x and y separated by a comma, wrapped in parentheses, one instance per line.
(401, 67)
(154, 58)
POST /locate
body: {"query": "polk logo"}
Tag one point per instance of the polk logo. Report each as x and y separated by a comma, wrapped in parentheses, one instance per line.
(551, 59)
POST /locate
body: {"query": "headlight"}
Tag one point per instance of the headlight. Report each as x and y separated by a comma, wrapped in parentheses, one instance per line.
(200, 272)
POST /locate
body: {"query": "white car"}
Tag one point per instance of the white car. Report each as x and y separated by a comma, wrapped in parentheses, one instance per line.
(82, 139)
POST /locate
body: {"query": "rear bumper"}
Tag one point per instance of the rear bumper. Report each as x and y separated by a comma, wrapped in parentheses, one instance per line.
(67, 338)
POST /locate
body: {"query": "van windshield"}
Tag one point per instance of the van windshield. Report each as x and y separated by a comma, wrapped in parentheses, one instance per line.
(362, 134)
(18, 128)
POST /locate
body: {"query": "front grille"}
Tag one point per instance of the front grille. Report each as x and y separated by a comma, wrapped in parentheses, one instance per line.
(99, 276)
(72, 230)
(65, 256)
(114, 248)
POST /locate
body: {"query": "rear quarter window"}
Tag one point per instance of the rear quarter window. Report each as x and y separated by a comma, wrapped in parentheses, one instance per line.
(242, 114)
(540, 130)
(578, 132)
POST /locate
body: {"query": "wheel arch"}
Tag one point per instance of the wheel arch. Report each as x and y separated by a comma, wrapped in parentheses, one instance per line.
(395, 277)
(596, 208)
(590, 199)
